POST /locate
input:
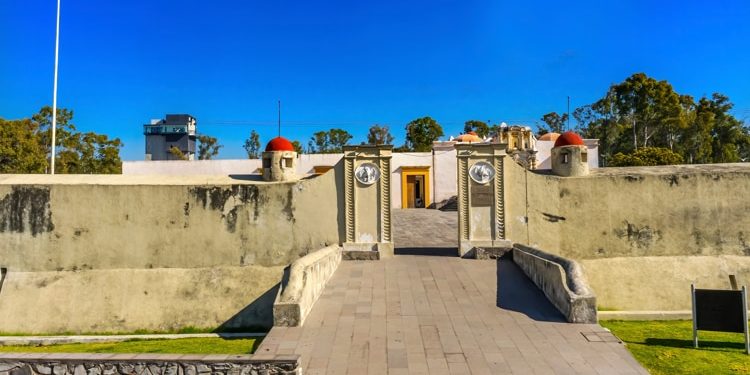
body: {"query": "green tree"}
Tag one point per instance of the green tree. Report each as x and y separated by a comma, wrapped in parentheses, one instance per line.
(329, 142)
(319, 143)
(554, 123)
(208, 147)
(83, 153)
(643, 112)
(379, 135)
(20, 148)
(647, 156)
(338, 138)
(479, 127)
(420, 134)
(252, 145)
(298, 147)
(179, 155)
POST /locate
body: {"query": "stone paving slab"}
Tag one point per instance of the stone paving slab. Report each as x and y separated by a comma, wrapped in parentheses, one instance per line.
(442, 315)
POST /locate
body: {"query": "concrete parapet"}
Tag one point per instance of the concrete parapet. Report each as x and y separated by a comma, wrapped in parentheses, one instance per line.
(307, 280)
(562, 281)
(155, 364)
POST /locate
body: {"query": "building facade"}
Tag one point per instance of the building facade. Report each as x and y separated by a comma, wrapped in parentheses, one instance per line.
(174, 131)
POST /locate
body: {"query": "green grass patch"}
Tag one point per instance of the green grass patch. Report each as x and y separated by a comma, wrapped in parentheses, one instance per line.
(181, 330)
(212, 345)
(666, 347)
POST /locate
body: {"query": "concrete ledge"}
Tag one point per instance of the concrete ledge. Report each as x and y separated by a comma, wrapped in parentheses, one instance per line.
(360, 255)
(154, 364)
(561, 280)
(55, 340)
(360, 250)
(307, 279)
(646, 315)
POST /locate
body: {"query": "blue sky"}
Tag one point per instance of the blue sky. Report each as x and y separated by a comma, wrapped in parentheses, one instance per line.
(352, 64)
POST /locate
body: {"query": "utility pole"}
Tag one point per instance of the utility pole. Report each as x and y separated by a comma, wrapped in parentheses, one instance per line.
(54, 90)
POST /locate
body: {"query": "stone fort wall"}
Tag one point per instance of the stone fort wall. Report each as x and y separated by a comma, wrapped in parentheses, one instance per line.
(642, 234)
(119, 253)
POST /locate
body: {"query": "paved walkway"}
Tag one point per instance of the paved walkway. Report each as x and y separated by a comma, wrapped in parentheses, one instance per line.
(442, 315)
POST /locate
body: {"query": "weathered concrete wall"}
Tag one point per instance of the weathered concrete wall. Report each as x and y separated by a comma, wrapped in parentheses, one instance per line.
(129, 364)
(647, 211)
(561, 280)
(307, 280)
(643, 234)
(118, 253)
(660, 283)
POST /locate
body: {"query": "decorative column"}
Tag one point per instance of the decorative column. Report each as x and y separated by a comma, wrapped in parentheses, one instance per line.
(481, 198)
(367, 189)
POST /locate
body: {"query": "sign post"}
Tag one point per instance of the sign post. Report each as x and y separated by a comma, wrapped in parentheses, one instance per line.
(721, 311)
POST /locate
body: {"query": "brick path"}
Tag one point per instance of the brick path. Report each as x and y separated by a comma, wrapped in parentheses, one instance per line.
(442, 315)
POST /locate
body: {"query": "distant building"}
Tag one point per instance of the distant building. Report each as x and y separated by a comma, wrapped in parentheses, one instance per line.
(174, 131)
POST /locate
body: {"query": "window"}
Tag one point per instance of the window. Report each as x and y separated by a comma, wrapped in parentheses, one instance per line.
(287, 162)
(266, 163)
(564, 158)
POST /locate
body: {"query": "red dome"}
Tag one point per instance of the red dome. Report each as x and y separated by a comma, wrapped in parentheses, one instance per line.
(569, 139)
(279, 144)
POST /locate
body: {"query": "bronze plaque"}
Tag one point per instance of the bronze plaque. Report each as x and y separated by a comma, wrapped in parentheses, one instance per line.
(482, 195)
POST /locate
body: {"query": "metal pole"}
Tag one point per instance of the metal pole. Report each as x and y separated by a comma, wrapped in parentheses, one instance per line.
(744, 319)
(279, 118)
(695, 318)
(54, 90)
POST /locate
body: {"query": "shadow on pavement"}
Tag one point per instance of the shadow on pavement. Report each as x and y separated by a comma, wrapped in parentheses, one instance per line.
(516, 292)
(429, 251)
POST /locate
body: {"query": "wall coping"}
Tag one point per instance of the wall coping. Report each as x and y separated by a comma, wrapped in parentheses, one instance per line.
(575, 278)
(562, 281)
(307, 278)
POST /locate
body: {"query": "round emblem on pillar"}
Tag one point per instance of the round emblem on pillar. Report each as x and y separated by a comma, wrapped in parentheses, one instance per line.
(367, 173)
(482, 172)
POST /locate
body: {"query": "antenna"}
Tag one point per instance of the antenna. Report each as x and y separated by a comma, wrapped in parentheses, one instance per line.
(568, 127)
(279, 118)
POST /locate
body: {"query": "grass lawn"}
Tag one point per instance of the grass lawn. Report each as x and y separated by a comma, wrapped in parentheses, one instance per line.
(213, 345)
(666, 347)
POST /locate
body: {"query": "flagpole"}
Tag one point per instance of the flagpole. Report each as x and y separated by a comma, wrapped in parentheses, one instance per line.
(54, 92)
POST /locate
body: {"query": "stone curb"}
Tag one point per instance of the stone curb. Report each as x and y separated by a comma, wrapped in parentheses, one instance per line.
(53, 340)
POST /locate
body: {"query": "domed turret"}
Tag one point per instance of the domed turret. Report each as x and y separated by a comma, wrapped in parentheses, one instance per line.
(279, 144)
(569, 139)
(279, 160)
(570, 156)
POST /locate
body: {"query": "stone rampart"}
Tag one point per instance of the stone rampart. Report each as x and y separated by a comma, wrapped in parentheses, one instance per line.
(121, 253)
(561, 280)
(642, 234)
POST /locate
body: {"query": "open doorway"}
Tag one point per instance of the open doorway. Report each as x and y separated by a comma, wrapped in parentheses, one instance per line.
(415, 187)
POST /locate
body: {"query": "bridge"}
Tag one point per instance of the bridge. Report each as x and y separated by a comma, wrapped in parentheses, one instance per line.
(427, 311)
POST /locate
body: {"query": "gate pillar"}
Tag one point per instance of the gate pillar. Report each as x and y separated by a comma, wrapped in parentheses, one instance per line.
(481, 197)
(367, 199)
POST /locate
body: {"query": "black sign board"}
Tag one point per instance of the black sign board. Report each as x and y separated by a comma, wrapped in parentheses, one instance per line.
(720, 310)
